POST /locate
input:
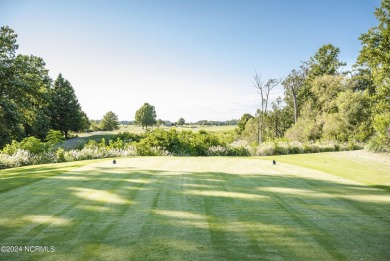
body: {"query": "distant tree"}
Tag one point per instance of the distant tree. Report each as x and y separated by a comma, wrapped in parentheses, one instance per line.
(109, 121)
(181, 122)
(325, 61)
(264, 90)
(160, 122)
(292, 85)
(146, 116)
(250, 131)
(95, 125)
(244, 119)
(64, 107)
(276, 118)
(85, 122)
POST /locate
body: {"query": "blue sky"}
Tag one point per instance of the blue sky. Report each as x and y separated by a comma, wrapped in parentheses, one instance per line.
(192, 58)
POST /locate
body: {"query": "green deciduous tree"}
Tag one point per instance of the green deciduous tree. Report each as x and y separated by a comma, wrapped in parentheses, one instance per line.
(181, 122)
(375, 54)
(109, 121)
(375, 57)
(31, 92)
(85, 122)
(146, 116)
(325, 90)
(325, 62)
(24, 88)
(10, 118)
(307, 128)
(244, 119)
(355, 111)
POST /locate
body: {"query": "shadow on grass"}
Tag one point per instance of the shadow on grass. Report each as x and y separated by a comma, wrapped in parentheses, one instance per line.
(135, 214)
(16, 177)
(381, 187)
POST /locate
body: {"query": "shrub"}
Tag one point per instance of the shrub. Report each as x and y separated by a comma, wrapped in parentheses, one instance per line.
(5, 161)
(60, 155)
(10, 149)
(217, 151)
(295, 148)
(265, 149)
(327, 147)
(19, 158)
(128, 137)
(314, 148)
(239, 148)
(281, 148)
(378, 143)
(54, 137)
(33, 145)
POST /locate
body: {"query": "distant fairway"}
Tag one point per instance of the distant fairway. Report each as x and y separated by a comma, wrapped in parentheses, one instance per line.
(331, 206)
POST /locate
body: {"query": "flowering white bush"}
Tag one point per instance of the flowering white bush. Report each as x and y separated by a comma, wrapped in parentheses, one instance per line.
(95, 152)
(19, 158)
(5, 161)
(216, 151)
(159, 151)
(240, 148)
(265, 149)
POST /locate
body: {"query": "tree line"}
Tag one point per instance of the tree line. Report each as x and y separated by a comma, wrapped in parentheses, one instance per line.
(323, 102)
(146, 117)
(30, 102)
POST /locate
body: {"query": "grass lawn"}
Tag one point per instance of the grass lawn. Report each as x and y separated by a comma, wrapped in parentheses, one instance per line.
(197, 208)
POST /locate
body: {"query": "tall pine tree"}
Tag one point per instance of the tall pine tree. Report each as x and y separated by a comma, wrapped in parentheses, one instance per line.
(65, 109)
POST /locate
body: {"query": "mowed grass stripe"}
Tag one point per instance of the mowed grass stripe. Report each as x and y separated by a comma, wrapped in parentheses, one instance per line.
(361, 166)
(167, 208)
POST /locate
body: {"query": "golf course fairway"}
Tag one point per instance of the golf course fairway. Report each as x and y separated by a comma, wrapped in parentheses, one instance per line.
(326, 206)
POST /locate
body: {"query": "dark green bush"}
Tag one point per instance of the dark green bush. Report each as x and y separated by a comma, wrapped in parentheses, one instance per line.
(128, 137)
(179, 143)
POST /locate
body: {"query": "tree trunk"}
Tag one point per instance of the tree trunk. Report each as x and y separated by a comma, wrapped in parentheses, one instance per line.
(258, 138)
(260, 129)
(295, 106)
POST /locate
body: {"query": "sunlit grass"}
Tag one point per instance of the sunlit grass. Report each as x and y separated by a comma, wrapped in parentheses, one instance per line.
(214, 208)
(360, 166)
